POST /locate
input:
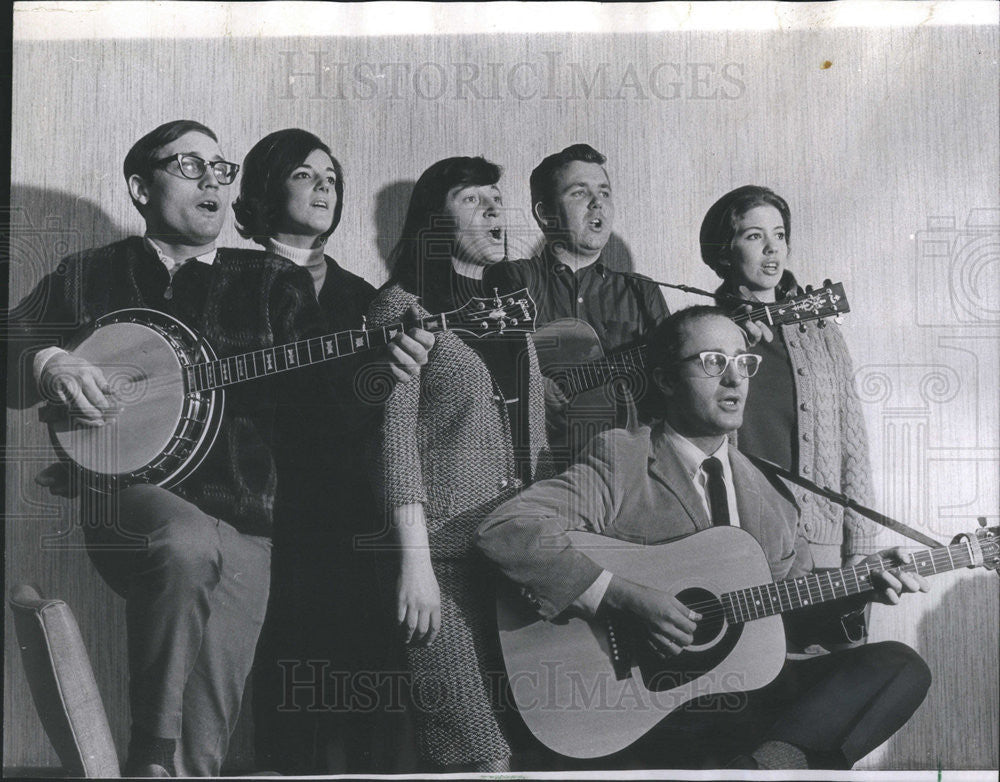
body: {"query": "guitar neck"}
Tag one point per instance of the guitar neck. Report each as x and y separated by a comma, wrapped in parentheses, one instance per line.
(744, 605)
(829, 300)
(294, 355)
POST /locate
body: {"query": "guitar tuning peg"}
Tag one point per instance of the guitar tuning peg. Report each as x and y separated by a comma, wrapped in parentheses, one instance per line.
(802, 328)
(809, 289)
(982, 521)
(838, 319)
(822, 324)
(827, 283)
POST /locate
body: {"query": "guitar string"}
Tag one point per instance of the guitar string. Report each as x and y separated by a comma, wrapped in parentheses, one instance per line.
(713, 609)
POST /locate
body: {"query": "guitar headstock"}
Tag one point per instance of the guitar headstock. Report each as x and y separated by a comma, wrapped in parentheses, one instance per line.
(829, 300)
(984, 545)
(498, 314)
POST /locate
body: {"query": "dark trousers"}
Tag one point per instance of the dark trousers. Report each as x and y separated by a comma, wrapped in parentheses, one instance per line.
(195, 591)
(835, 707)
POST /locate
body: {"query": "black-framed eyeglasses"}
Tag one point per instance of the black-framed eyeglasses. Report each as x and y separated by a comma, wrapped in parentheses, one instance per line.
(715, 363)
(194, 167)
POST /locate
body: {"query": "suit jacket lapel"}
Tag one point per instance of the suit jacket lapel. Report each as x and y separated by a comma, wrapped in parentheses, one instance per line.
(749, 501)
(665, 467)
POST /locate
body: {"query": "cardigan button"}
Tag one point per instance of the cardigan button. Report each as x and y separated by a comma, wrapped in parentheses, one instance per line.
(805, 469)
(808, 526)
(497, 398)
(805, 498)
(804, 407)
(793, 343)
(807, 437)
(503, 483)
(802, 371)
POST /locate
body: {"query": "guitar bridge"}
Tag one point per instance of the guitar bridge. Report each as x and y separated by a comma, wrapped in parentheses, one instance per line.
(621, 657)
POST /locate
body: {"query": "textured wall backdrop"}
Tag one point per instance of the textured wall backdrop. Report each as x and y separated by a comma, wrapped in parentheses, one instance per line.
(884, 142)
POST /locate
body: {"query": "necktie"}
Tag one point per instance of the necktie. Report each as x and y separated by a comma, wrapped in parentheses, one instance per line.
(717, 500)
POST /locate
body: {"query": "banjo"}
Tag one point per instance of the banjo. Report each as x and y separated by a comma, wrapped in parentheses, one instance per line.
(168, 385)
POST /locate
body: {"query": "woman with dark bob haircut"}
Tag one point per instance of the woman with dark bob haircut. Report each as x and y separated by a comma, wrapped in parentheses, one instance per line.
(324, 599)
(451, 449)
(804, 413)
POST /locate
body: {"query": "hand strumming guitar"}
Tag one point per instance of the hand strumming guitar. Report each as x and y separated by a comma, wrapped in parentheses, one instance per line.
(669, 624)
(78, 384)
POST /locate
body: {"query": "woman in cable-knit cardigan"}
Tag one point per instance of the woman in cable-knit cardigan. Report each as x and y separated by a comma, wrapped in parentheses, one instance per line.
(803, 412)
(450, 449)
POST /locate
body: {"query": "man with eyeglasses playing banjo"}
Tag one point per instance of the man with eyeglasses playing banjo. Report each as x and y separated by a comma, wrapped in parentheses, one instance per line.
(192, 560)
(583, 550)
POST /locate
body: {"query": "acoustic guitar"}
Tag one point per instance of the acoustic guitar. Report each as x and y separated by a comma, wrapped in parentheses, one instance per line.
(589, 687)
(168, 385)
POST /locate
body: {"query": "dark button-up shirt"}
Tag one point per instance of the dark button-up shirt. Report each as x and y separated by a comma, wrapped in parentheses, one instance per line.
(620, 308)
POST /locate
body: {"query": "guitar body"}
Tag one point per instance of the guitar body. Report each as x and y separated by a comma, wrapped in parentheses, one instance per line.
(566, 345)
(582, 702)
(160, 431)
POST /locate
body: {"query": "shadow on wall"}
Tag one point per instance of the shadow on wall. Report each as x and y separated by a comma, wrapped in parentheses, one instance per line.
(957, 723)
(390, 212)
(47, 225)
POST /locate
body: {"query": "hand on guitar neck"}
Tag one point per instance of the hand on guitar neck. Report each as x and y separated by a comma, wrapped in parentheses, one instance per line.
(756, 330)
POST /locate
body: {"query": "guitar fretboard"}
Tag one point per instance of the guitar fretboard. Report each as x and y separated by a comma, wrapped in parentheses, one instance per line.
(479, 316)
(270, 361)
(756, 602)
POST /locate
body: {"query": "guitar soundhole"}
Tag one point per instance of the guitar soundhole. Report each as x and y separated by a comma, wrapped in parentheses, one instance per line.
(713, 641)
(713, 616)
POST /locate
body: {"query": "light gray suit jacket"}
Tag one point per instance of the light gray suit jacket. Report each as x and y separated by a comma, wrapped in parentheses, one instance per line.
(629, 485)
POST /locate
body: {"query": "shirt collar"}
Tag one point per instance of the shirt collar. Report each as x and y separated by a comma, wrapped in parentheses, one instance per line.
(690, 455)
(562, 268)
(307, 257)
(473, 271)
(173, 264)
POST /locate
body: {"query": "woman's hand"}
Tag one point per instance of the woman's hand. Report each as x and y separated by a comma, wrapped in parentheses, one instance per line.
(418, 607)
(757, 331)
(418, 598)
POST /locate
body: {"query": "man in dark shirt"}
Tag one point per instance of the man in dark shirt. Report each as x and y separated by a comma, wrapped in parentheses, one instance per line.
(573, 204)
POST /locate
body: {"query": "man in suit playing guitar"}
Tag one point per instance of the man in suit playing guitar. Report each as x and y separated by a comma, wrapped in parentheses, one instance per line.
(659, 483)
(192, 562)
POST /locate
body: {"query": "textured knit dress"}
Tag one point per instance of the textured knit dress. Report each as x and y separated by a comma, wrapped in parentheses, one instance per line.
(446, 442)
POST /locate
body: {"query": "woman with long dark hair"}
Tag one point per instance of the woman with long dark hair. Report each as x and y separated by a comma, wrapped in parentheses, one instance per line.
(450, 449)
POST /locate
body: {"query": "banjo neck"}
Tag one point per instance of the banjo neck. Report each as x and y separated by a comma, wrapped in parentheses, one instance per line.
(507, 313)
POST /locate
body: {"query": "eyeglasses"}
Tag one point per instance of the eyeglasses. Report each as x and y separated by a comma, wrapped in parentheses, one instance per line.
(194, 167)
(715, 363)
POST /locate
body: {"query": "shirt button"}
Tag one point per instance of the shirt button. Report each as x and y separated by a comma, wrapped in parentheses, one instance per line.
(802, 371)
(579, 300)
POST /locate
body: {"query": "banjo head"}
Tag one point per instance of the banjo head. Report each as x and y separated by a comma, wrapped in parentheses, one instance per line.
(145, 375)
